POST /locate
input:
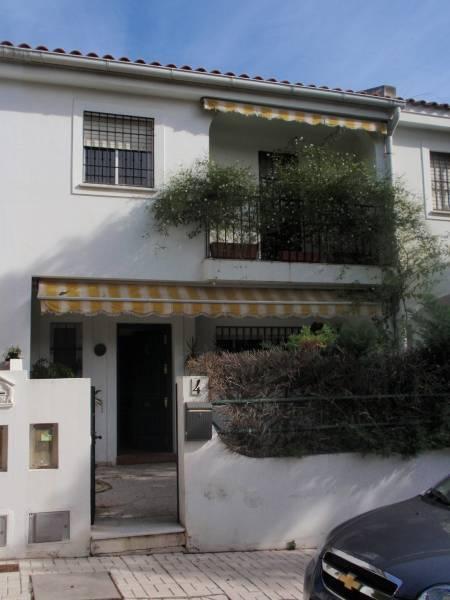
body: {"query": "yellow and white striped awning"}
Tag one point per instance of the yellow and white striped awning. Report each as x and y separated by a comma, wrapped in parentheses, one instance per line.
(165, 300)
(299, 116)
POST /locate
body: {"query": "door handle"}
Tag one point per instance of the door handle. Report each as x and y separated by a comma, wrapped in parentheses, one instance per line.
(166, 401)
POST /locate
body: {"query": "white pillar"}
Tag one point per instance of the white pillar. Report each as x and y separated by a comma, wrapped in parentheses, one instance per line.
(189, 389)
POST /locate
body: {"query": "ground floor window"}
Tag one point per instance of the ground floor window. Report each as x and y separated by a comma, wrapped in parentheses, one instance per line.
(66, 346)
(238, 339)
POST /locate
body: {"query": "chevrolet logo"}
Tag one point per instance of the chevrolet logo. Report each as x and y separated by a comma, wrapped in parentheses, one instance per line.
(350, 582)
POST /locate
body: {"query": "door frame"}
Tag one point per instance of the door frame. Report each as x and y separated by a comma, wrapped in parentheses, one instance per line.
(167, 329)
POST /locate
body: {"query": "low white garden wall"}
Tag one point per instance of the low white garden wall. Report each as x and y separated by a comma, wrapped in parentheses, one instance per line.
(25, 489)
(232, 502)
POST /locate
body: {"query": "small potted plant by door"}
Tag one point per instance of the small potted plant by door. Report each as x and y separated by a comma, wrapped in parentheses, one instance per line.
(13, 358)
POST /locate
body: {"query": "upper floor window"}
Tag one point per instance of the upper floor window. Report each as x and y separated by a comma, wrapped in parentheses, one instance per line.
(440, 180)
(118, 150)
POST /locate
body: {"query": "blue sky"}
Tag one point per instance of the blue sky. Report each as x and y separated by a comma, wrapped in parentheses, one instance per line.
(344, 43)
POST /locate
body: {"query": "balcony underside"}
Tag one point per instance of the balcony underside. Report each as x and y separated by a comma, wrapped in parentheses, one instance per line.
(267, 272)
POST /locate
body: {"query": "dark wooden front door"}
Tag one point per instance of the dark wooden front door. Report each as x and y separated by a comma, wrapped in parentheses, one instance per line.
(144, 388)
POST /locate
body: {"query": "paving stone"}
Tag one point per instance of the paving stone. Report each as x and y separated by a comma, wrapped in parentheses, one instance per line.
(74, 586)
(263, 575)
(188, 576)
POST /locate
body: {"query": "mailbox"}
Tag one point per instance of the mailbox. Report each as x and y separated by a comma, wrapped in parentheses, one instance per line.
(198, 421)
(49, 527)
(44, 446)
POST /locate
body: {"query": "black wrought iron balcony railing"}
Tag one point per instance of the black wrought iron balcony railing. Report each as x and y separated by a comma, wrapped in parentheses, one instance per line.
(257, 234)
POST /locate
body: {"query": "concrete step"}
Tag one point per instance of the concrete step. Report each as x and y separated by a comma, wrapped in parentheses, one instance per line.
(136, 536)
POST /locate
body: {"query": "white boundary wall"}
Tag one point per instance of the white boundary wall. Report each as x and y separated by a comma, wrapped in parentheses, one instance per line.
(67, 488)
(232, 502)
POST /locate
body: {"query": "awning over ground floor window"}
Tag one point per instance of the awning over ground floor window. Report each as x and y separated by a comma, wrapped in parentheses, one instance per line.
(165, 300)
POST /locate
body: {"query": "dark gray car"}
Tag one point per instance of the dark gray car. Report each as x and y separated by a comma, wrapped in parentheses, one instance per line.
(401, 550)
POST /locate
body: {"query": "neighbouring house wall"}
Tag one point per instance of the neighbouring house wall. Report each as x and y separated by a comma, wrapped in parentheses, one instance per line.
(412, 146)
(23, 490)
(232, 502)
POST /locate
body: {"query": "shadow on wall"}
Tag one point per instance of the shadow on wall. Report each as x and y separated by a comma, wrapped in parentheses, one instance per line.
(124, 246)
(236, 502)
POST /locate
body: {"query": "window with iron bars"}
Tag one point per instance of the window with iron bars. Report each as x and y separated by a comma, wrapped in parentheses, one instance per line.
(118, 150)
(238, 339)
(440, 180)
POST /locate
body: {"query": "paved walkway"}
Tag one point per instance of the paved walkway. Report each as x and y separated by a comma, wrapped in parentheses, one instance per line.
(275, 575)
(136, 491)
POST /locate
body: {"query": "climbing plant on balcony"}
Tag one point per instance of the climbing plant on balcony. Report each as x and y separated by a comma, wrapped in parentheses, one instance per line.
(327, 202)
(321, 206)
(204, 194)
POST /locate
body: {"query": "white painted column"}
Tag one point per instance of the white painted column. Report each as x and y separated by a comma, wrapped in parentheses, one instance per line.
(185, 449)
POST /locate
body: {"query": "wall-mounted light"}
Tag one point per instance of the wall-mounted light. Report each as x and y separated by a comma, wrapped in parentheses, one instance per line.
(99, 349)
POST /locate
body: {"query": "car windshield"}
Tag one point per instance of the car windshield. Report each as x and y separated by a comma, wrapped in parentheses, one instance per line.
(441, 491)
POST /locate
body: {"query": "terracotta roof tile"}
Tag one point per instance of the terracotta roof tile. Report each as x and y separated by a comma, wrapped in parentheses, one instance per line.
(140, 61)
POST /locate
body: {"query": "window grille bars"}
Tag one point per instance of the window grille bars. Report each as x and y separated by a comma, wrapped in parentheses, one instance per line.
(118, 149)
(440, 180)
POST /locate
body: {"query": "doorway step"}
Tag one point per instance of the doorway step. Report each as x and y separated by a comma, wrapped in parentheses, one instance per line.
(136, 536)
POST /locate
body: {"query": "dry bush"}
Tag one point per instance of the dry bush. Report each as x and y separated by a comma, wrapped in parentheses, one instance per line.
(291, 403)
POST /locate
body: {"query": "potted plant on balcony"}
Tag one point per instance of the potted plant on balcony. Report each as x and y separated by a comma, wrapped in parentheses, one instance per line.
(219, 200)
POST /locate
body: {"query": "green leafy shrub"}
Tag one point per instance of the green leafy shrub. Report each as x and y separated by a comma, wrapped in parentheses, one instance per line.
(313, 340)
(432, 324)
(206, 193)
(43, 369)
(358, 336)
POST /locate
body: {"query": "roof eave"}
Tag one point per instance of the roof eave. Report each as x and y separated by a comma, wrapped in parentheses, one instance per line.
(179, 75)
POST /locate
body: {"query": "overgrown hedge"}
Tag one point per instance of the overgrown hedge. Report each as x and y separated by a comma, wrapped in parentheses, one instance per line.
(383, 403)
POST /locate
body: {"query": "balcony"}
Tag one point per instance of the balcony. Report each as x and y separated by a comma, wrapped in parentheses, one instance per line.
(271, 231)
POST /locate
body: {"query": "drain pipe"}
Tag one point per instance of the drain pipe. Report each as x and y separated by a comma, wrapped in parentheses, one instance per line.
(392, 126)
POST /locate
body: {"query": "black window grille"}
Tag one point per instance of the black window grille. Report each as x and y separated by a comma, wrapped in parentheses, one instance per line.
(66, 346)
(440, 180)
(118, 150)
(238, 339)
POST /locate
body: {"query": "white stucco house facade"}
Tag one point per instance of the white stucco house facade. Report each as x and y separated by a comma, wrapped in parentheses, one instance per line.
(86, 279)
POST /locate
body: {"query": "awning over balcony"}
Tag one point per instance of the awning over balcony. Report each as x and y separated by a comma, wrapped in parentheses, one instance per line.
(165, 300)
(299, 116)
